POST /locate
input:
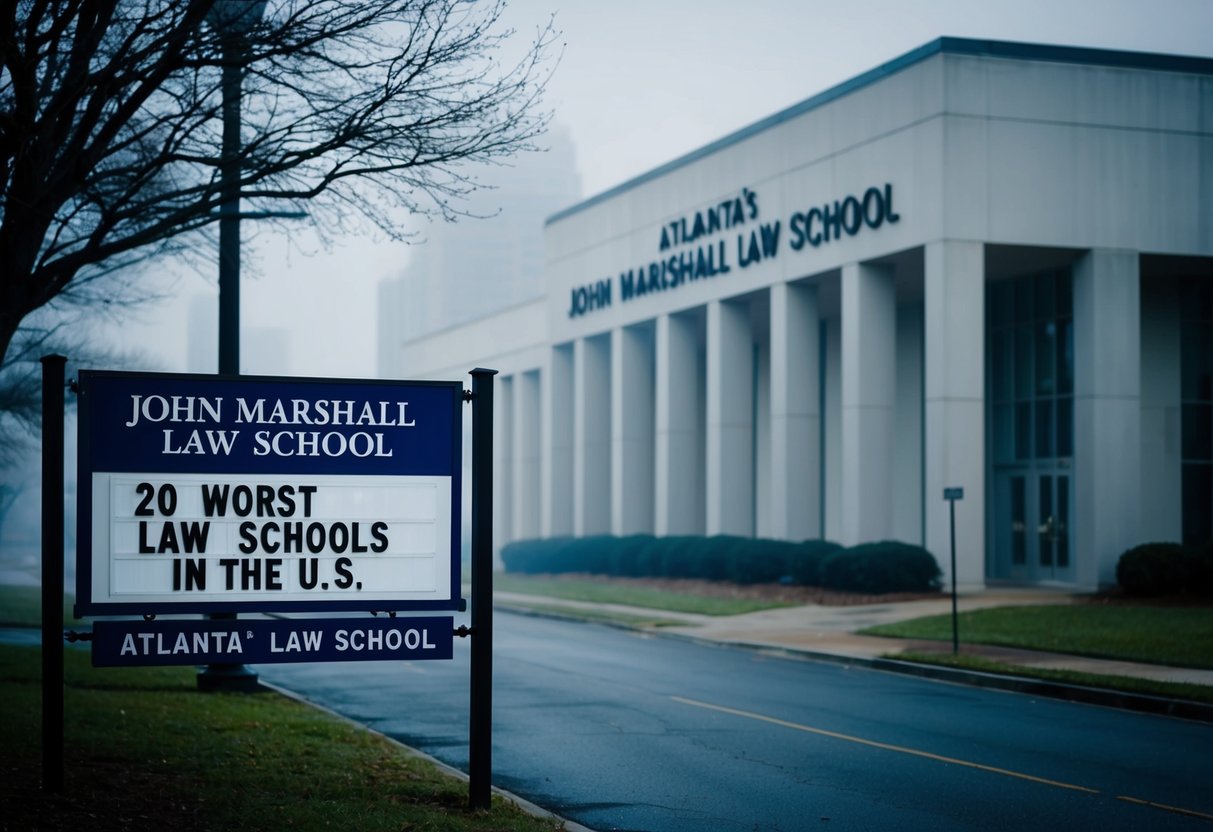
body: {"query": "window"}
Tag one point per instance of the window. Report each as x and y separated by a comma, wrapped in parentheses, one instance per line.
(1196, 407)
(1032, 364)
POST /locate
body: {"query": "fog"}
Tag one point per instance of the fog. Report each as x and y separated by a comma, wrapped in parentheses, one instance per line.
(636, 85)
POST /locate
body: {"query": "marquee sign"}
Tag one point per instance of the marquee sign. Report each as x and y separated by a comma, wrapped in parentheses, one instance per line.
(213, 494)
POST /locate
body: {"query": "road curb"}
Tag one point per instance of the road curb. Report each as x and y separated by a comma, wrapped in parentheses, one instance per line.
(1083, 694)
(1124, 700)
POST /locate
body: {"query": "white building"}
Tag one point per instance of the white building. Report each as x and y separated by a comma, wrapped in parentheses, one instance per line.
(981, 265)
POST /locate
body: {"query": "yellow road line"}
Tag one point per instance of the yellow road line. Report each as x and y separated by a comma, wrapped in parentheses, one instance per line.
(1176, 809)
(885, 746)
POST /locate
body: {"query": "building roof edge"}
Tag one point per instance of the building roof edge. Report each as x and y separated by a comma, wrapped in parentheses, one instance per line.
(943, 45)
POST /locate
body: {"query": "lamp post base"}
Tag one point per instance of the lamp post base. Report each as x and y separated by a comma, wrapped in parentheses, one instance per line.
(228, 678)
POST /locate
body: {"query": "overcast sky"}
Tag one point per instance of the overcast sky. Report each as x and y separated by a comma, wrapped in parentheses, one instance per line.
(642, 82)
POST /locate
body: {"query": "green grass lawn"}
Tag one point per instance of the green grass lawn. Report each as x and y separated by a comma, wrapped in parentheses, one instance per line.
(21, 606)
(145, 751)
(607, 592)
(1177, 636)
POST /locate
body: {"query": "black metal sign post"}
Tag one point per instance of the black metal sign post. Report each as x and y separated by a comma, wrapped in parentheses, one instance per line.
(480, 735)
(952, 495)
(52, 572)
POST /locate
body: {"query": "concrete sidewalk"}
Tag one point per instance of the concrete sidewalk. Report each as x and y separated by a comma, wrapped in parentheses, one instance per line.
(830, 633)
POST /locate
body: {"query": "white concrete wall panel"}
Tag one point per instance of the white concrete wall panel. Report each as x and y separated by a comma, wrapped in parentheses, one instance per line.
(954, 404)
(1107, 411)
(503, 462)
(592, 436)
(556, 451)
(869, 385)
(730, 463)
(527, 423)
(795, 423)
(680, 497)
(632, 430)
(511, 341)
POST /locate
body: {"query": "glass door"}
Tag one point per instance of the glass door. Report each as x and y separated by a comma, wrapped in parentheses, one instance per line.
(1053, 527)
(1031, 389)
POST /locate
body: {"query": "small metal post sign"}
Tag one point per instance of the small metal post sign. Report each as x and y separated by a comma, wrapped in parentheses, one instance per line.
(952, 495)
(234, 494)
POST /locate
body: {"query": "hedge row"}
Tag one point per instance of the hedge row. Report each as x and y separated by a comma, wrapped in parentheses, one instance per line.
(872, 567)
(1160, 569)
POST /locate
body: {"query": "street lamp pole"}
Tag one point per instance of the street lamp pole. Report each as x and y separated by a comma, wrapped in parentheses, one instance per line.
(232, 20)
(229, 206)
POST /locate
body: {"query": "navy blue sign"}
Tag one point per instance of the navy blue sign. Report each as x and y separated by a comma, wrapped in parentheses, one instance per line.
(136, 643)
(212, 494)
(201, 424)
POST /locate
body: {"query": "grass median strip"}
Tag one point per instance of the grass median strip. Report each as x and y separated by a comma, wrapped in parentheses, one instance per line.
(608, 592)
(598, 615)
(1175, 636)
(145, 751)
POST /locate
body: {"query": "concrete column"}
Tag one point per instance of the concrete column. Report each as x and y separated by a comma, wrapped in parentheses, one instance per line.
(869, 361)
(592, 436)
(1107, 412)
(678, 451)
(795, 492)
(730, 462)
(632, 430)
(525, 497)
(503, 462)
(557, 447)
(954, 390)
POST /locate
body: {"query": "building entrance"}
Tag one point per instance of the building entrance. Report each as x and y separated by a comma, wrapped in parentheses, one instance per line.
(1030, 419)
(1033, 522)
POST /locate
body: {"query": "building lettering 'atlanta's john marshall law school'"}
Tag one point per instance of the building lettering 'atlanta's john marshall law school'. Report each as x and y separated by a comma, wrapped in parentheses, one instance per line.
(982, 265)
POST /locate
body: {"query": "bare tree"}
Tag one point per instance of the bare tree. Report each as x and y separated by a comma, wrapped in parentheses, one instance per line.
(21, 379)
(111, 145)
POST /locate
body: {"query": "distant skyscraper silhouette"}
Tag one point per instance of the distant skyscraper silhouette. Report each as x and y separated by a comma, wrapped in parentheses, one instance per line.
(485, 263)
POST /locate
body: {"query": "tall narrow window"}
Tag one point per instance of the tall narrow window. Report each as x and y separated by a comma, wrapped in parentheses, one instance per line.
(1032, 367)
(1196, 406)
(1031, 400)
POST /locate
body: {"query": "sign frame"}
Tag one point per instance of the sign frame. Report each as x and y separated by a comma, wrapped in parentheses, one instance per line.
(444, 403)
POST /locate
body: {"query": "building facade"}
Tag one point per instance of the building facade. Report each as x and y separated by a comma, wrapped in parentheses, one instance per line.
(982, 265)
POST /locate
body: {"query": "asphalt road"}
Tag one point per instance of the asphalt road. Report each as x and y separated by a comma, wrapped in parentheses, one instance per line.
(624, 731)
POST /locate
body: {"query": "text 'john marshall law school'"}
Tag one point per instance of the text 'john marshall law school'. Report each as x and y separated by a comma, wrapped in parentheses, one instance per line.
(318, 413)
(694, 247)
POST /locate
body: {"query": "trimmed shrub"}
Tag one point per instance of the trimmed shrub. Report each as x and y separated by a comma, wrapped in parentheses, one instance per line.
(1157, 569)
(678, 557)
(804, 562)
(760, 561)
(1202, 570)
(532, 557)
(872, 568)
(877, 568)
